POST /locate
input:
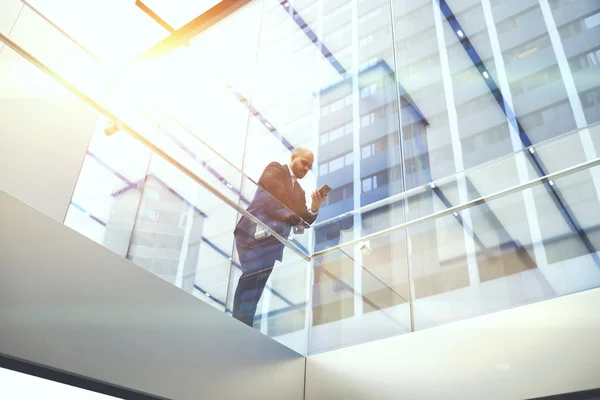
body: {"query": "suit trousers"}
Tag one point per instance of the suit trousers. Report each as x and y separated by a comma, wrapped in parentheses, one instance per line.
(256, 261)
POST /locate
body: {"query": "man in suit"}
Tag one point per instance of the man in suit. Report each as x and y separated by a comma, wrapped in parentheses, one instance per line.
(280, 203)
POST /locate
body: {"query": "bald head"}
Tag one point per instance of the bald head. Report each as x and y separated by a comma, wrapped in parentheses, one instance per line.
(301, 161)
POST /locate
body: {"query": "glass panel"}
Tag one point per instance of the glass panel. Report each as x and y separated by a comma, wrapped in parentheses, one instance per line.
(63, 54)
(8, 17)
(448, 106)
(554, 155)
(86, 21)
(503, 265)
(579, 31)
(354, 303)
(107, 194)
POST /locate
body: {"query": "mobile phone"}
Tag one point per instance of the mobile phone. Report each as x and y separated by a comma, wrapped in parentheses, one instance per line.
(325, 189)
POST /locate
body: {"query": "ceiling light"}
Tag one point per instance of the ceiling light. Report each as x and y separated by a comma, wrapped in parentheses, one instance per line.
(268, 125)
(551, 183)
(207, 295)
(456, 214)
(460, 33)
(432, 185)
(486, 75)
(230, 186)
(531, 150)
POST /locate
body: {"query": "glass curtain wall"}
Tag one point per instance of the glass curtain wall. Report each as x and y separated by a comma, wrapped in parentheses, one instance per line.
(413, 109)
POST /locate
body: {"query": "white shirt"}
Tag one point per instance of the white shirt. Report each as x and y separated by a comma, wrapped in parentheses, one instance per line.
(294, 179)
(292, 175)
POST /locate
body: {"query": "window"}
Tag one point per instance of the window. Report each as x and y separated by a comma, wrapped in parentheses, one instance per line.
(375, 181)
(592, 21)
(339, 194)
(365, 41)
(348, 128)
(335, 196)
(336, 164)
(337, 12)
(364, 92)
(349, 158)
(368, 91)
(323, 169)
(338, 33)
(527, 49)
(369, 16)
(495, 135)
(336, 133)
(536, 80)
(374, 147)
(336, 105)
(152, 194)
(585, 61)
(148, 214)
(571, 29)
(590, 98)
(559, 3)
(533, 120)
(182, 219)
(508, 25)
(367, 119)
(367, 184)
(366, 151)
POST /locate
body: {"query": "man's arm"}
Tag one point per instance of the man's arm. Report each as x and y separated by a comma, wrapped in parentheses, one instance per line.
(307, 213)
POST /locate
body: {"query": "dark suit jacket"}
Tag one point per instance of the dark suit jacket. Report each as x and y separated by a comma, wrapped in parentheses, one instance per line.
(278, 205)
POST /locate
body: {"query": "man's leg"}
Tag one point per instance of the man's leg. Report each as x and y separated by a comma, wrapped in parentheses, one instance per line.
(248, 293)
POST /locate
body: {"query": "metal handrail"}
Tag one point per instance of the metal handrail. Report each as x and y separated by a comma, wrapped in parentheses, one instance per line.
(103, 110)
(197, 137)
(446, 179)
(136, 135)
(470, 204)
(59, 29)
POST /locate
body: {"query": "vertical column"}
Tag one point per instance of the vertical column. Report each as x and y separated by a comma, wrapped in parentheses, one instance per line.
(456, 145)
(358, 301)
(183, 252)
(520, 160)
(310, 271)
(574, 100)
(404, 205)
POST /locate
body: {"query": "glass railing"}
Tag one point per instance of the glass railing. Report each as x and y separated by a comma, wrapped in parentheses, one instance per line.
(512, 240)
(518, 229)
(440, 194)
(164, 206)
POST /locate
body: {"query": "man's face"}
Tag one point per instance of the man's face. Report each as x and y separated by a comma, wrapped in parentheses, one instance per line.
(301, 164)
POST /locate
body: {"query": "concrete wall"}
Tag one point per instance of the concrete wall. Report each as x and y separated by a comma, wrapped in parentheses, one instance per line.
(44, 129)
(68, 303)
(537, 350)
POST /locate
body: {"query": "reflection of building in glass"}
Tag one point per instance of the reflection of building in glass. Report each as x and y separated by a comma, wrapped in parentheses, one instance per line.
(165, 228)
(489, 77)
(391, 100)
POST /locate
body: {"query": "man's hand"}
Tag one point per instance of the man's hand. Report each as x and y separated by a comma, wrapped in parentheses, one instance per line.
(317, 200)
